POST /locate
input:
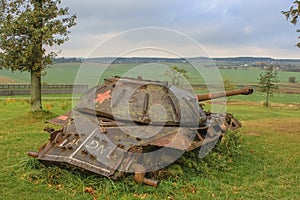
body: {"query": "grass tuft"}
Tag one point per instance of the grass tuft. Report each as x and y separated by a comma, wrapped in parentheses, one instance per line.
(65, 105)
(30, 163)
(36, 116)
(220, 159)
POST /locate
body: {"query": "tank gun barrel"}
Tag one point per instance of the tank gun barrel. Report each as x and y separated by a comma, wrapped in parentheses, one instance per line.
(208, 96)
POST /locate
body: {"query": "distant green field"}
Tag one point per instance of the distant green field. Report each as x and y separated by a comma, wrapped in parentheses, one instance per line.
(66, 73)
(251, 75)
(57, 74)
(276, 98)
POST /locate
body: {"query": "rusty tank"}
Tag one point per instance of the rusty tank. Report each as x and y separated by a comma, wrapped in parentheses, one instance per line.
(130, 125)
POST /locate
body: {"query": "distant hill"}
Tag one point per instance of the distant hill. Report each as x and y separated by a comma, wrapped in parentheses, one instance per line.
(171, 60)
(231, 63)
(66, 60)
(255, 59)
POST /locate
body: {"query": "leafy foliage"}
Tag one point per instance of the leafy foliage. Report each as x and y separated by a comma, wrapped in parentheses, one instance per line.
(267, 80)
(292, 15)
(218, 160)
(292, 79)
(27, 27)
(177, 75)
(228, 85)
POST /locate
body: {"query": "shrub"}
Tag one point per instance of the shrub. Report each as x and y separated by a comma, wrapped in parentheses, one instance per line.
(292, 79)
(65, 105)
(48, 106)
(228, 85)
(219, 159)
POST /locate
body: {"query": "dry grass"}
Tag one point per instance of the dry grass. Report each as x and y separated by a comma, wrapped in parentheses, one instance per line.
(4, 80)
(271, 125)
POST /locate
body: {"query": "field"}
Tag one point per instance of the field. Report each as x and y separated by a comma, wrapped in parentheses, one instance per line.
(66, 73)
(267, 167)
(266, 164)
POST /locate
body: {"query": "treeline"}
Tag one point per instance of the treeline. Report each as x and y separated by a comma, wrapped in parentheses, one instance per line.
(292, 65)
(66, 60)
(154, 59)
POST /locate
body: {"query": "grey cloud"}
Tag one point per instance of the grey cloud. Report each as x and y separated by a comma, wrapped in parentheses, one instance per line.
(231, 24)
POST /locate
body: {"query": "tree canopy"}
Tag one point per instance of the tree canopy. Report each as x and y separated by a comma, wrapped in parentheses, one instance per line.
(27, 29)
(293, 15)
(267, 80)
(176, 75)
(25, 25)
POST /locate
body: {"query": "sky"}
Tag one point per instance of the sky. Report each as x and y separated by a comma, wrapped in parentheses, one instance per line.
(185, 28)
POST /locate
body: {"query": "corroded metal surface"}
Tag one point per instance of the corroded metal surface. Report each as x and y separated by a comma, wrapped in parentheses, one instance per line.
(129, 124)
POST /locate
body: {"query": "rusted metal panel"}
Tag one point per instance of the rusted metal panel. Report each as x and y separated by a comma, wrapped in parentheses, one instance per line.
(118, 124)
(60, 120)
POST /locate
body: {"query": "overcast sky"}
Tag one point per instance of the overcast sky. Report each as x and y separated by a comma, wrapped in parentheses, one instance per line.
(224, 28)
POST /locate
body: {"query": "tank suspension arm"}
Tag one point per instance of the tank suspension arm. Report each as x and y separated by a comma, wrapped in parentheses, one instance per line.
(139, 176)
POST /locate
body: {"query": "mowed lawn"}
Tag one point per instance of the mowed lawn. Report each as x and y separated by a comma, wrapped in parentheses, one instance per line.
(268, 166)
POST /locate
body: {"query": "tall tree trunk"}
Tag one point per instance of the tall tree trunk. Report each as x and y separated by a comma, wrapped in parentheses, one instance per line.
(36, 97)
(267, 100)
(35, 90)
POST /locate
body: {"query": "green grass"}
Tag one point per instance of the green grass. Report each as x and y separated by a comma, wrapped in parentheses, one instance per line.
(268, 166)
(251, 75)
(276, 98)
(57, 74)
(66, 73)
(251, 112)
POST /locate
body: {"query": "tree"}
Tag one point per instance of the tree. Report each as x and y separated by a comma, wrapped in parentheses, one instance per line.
(27, 27)
(292, 15)
(176, 75)
(292, 79)
(228, 85)
(267, 80)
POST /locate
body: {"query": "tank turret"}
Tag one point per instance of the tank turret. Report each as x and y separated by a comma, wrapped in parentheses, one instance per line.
(129, 125)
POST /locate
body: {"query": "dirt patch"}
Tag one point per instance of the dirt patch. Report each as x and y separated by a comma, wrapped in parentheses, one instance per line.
(284, 126)
(247, 103)
(253, 133)
(277, 105)
(4, 80)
